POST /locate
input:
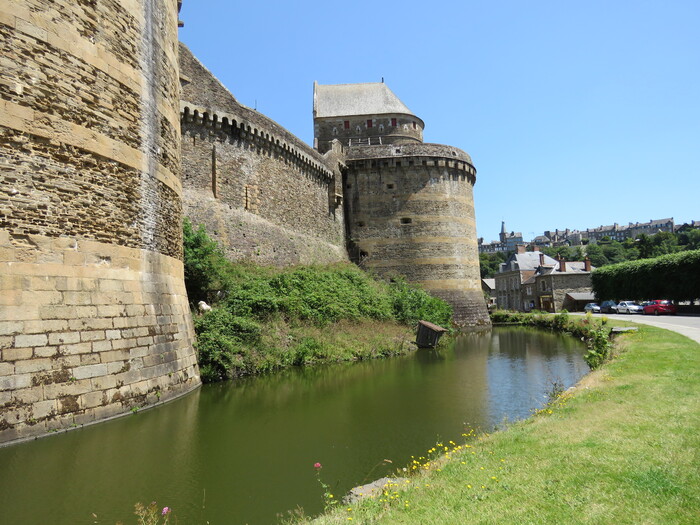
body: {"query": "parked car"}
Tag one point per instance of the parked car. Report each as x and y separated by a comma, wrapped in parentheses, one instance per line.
(592, 307)
(629, 307)
(608, 307)
(660, 306)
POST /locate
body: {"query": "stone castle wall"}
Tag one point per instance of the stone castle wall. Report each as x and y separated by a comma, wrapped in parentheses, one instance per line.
(94, 318)
(260, 191)
(411, 212)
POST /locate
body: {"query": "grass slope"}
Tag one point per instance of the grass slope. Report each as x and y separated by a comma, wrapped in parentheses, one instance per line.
(622, 448)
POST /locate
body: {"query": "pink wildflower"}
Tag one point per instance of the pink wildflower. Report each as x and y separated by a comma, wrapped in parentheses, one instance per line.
(317, 465)
(166, 510)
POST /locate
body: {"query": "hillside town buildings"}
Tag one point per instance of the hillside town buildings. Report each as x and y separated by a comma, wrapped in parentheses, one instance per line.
(534, 281)
(567, 237)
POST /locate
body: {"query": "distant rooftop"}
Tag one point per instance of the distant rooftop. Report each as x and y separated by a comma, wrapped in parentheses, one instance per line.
(344, 100)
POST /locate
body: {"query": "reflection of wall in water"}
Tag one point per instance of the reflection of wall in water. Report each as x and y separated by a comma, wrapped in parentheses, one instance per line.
(534, 360)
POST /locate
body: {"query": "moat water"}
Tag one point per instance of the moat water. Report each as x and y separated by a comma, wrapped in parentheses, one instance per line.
(244, 452)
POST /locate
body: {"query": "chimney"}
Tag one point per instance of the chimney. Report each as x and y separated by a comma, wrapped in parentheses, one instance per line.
(587, 264)
(562, 264)
(541, 259)
(520, 248)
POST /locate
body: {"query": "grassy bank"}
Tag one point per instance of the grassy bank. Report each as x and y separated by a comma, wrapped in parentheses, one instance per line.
(621, 448)
(264, 319)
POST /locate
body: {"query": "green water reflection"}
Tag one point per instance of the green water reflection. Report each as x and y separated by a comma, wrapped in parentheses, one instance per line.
(243, 452)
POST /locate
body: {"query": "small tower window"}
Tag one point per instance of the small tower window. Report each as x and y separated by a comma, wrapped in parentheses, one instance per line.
(346, 124)
(357, 130)
(414, 124)
(393, 122)
(406, 220)
(335, 131)
(381, 128)
(369, 123)
(389, 186)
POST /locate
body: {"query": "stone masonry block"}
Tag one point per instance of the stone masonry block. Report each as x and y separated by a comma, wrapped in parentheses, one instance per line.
(89, 371)
(64, 338)
(78, 348)
(16, 354)
(45, 351)
(15, 382)
(29, 395)
(118, 344)
(42, 327)
(11, 327)
(104, 383)
(6, 369)
(93, 335)
(31, 340)
(71, 388)
(92, 399)
(101, 346)
(112, 310)
(97, 323)
(33, 365)
(44, 409)
(113, 334)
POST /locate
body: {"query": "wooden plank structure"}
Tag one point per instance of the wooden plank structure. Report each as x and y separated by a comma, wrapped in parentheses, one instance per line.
(428, 334)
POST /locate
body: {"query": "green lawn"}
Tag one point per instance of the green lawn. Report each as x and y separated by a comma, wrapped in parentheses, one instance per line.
(622, 448)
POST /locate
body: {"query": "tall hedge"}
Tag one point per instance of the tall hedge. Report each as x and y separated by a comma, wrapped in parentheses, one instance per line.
(675, 276)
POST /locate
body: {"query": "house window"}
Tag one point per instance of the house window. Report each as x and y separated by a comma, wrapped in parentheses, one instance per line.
(393, 122)
(346, 124)
(369, 123)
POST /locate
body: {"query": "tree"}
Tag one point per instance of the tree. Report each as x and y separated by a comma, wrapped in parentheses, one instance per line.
(596, 255)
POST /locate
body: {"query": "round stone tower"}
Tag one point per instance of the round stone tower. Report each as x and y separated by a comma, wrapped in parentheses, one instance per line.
(94, 318)
(409, 206)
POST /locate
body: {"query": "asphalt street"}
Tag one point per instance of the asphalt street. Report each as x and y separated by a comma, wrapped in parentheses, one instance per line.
(688, 325)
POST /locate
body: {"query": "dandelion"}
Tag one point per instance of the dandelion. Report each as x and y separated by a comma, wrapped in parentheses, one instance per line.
(469, 486)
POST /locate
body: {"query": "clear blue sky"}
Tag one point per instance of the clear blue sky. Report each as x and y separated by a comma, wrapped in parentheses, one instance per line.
(576, 114)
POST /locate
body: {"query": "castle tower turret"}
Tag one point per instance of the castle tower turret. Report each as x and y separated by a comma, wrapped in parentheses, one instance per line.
(362, 114)
(409, 205)
(94, 318)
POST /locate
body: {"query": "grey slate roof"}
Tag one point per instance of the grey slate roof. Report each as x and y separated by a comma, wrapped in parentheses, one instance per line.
(526, 261)
(344, 100)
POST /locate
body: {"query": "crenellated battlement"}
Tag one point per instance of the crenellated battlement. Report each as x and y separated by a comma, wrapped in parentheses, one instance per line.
(240, 129)
(412, 156)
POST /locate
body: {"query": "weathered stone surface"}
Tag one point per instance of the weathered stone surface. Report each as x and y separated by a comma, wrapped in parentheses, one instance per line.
(260, 191)
(90, 210)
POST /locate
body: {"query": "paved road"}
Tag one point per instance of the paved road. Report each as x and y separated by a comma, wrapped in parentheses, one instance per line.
(688, 325)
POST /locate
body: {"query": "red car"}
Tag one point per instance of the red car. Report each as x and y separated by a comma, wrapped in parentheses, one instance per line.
(658, 307)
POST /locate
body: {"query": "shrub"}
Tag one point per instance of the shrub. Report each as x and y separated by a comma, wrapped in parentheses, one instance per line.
(247, 300)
